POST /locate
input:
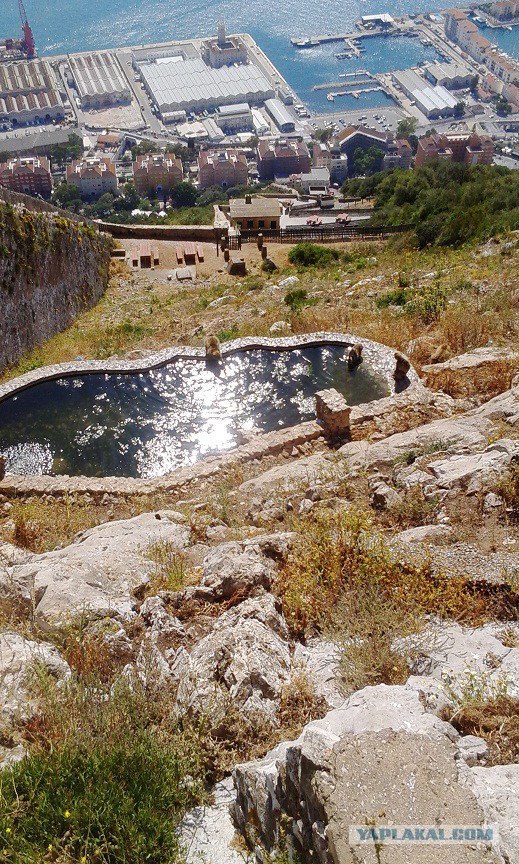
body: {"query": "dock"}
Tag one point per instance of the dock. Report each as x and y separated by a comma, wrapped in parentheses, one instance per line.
(360, 82)
(314, 41)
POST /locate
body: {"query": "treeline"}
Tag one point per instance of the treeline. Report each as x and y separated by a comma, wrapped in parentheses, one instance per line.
(447, 203)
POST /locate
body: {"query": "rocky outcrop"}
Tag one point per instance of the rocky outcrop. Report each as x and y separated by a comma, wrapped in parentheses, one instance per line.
(379, 760)
(18, 658)
(97, 573)
(245, 661)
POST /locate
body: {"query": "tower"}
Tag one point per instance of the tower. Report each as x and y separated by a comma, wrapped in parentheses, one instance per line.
(222, 38)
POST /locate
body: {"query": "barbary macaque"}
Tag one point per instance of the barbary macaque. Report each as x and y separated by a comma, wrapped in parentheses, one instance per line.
(354, 356)
(212, 348)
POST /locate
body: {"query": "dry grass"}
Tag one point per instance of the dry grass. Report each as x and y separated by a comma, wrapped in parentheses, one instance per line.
(343, 578)
(497, 722)
(42, 525)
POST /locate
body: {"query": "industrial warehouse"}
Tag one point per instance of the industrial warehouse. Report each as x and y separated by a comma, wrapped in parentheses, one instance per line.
(28, 91)
(175, 84)
(433, 100)
(216, 73)
(99, 80)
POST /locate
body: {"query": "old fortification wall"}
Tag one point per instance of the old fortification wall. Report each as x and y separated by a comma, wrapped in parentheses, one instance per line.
(52, 268)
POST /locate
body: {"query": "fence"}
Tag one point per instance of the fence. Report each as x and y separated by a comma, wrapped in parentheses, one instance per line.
(320, 234)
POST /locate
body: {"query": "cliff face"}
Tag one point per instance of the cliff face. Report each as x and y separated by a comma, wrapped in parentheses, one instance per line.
(51, 269)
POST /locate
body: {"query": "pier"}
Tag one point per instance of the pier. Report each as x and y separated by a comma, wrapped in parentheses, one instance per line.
(356, 85)
(314, 41)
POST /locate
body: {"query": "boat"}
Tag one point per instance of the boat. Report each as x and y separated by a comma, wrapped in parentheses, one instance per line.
(330, 97)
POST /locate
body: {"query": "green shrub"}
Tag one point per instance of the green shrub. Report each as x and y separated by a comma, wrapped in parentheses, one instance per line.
(297, 299)
(231, 332)
(305, 255)
(107, 779)
(398, 297)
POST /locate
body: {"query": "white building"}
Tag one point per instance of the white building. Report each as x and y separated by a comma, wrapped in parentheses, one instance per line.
(178, 84)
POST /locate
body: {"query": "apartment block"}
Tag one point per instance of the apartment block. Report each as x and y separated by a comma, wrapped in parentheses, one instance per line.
(225, 168)
(282, 159)
(30, 175)
(93, 176)
(157, 173)
(468, 149)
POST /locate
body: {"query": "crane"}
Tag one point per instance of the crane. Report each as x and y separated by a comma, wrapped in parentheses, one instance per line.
(28, 38)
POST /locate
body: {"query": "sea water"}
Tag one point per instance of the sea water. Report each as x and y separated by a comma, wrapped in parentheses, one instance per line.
(83, 25)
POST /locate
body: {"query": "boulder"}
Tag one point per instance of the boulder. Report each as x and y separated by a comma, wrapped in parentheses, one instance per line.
(245, 661)
(100, 570)
(379, 760)
(233, 569)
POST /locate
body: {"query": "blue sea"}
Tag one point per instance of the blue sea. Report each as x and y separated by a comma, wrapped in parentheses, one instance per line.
(82, 25)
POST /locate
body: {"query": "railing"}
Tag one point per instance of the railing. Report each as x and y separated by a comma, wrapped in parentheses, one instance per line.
(319, 233)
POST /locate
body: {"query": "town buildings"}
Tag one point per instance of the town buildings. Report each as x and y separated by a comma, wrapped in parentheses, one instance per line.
(466, 34)
(30, 175)
(505, 10)
(93, 176)
(156, 173)
(282, 159)
(224, 50)
(225, 168)
(469, 149)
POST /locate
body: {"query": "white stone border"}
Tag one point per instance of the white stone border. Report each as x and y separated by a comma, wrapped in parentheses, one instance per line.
(379, 357)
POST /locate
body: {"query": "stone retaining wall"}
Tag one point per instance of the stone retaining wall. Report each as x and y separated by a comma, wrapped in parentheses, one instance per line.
(52, 268)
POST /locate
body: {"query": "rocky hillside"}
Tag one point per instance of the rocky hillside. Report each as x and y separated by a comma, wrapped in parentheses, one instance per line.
(296, 652)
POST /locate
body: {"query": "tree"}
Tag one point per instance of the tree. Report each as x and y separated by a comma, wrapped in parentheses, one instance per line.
(503, 107)
(129, 200)
(406, 127)
(184, 195)
(67, 195)
(73, 149)
(369, 161)
(323, 135)
(459, 109)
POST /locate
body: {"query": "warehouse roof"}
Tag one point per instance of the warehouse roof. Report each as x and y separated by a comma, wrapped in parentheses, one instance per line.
(190, 83)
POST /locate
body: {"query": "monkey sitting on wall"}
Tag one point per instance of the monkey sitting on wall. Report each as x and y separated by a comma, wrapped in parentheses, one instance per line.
(354, 356)
(212, 348)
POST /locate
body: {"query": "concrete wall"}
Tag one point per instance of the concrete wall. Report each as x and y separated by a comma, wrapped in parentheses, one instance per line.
(52, 268)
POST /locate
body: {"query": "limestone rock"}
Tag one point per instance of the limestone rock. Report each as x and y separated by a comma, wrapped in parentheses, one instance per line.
(475, 471)
(100, 570)
(234, 568)
(425, 534)
(384, 496)
(244, 660)
(207, 833)
(497, 791)
(381, 757)
(18, 657)
(319, 661)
